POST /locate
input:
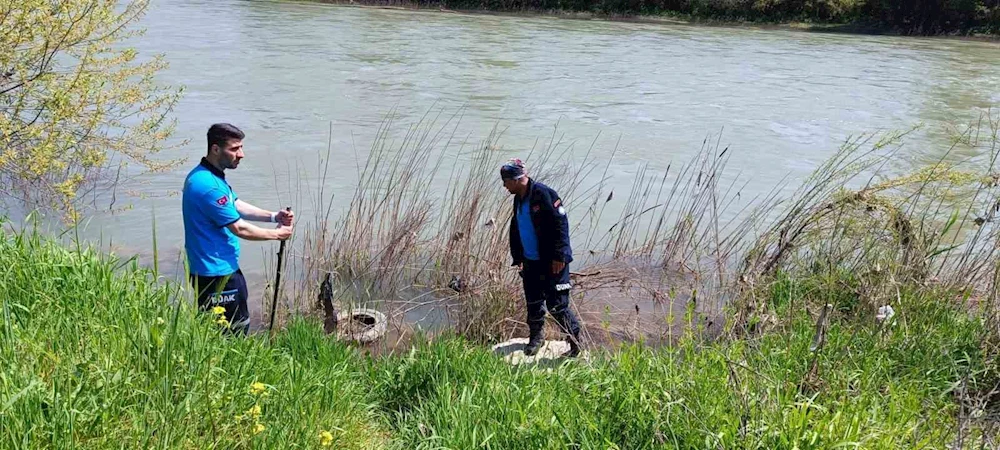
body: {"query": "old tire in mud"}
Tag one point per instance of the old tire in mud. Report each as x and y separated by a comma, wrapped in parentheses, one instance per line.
(362, 325)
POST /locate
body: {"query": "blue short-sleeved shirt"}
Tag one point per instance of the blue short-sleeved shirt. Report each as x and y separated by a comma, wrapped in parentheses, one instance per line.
(529, 241)
(209, 206)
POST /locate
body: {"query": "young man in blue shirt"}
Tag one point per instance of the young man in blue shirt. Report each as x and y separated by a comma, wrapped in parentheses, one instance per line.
(539, 245)
(215, 219)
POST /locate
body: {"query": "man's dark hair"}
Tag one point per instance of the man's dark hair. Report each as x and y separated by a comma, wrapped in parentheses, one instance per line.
(220, 133)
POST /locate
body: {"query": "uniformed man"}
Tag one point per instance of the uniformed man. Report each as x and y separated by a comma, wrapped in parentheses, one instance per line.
(215, 219)
(539, 244)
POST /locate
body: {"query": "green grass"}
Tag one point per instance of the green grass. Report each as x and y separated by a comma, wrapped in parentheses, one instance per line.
(95, 354)
(97, 357)
(880, 390)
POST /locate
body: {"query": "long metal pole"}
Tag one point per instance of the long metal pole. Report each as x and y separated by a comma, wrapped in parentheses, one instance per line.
(277, 281)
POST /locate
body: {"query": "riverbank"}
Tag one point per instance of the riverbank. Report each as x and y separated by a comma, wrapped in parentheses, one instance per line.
(981, 23)
(97, 352)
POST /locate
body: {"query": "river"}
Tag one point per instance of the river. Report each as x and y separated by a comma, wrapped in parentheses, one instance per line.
(288, 73)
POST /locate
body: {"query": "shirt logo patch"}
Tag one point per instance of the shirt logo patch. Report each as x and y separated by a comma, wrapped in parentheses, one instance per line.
(222, 201)
(557, 203)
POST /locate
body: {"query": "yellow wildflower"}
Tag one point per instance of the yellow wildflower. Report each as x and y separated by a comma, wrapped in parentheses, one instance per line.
(257, 428)
(222, 322)
(325, 438)
(218, 310)
(254, 412)
(257, 388)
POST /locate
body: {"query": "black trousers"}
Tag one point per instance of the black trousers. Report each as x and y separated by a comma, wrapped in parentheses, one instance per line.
(229, 292)
(545, 290)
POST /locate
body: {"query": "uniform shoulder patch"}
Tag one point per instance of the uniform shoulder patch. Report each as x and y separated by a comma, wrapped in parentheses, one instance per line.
(222, 201)
(557, 203)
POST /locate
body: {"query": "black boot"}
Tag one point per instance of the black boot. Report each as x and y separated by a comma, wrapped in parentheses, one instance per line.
(535, 342)
(574, 345)
(569, 324)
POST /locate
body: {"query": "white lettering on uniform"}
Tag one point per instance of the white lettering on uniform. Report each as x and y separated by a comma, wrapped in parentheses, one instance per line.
(224, 297)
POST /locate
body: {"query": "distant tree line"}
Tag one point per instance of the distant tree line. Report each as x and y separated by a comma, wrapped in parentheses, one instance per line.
(924, 17)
